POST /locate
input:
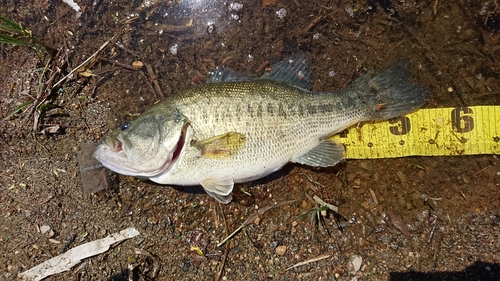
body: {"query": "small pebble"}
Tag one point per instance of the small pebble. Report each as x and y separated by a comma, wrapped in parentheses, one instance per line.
(401, 176)
(235, 6)
(281, 13)
(355, 263)
(281, 250)
(273, 245)
(44, 229)
(137, 64)
(256, 221)
(173, 49)
(304, 204)
(210, 28)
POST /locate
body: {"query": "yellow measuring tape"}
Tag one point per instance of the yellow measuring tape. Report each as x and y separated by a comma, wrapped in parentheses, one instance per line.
(428, 132)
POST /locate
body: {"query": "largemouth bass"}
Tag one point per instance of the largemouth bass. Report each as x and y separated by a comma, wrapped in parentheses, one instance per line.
(236, 129)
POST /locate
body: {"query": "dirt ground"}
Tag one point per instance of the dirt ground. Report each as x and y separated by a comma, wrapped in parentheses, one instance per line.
(434, 218)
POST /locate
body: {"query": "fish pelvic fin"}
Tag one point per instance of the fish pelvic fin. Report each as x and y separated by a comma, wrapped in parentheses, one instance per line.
(219, 189)
(326, 154)
(390, 94)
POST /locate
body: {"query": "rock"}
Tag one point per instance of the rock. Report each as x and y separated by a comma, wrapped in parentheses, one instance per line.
(44, 229)
(281, 250)
(401, 177)
(355, 263)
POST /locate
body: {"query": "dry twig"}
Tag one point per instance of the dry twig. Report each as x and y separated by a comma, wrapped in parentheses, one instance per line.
(252, 217)
(322, 257)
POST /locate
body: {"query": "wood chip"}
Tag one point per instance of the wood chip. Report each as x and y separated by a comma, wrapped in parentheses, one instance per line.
(266, 3)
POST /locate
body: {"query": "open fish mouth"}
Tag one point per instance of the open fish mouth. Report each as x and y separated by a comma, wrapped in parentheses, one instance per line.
(113, 157)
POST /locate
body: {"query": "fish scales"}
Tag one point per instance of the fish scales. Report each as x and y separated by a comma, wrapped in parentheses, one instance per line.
(250, 105)
(279, 122)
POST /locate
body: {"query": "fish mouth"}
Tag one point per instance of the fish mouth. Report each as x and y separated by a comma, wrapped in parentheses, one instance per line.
(113, 157)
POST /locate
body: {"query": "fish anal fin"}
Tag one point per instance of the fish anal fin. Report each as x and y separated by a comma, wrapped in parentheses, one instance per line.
(326, 154)
(224, 199)
(220, 189)
(221, 146)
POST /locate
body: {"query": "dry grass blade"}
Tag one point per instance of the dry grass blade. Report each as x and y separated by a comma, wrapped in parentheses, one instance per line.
(309, 261)
(17, 109)
(14, 34)
(226, 251)
(323, 203)
(252, 217)
(103, 46)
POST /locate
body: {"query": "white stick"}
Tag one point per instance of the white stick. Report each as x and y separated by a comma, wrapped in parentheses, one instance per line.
(66, 261)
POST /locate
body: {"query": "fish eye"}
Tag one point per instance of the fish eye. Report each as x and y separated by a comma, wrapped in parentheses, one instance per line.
(124, 126)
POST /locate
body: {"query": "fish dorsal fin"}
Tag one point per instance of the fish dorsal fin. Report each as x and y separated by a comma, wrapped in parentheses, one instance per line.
(296, 70)
(226, 75)
(327, 153)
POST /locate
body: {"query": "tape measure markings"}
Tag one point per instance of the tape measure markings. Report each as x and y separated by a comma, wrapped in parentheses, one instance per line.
(427, 132)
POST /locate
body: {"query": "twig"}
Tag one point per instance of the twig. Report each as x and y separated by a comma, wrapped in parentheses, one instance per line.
(297, 3)
(480, 171)
(323, 203)
(262, 66)
(252, 217)
(126, 66)
(309, 261)
(89, 58)
(431, 233)
(312, 24)
(374, 197)
(435, 7)
(153, 78)
(422, 43)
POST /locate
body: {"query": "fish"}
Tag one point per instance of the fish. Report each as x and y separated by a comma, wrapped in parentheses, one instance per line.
(236, 129)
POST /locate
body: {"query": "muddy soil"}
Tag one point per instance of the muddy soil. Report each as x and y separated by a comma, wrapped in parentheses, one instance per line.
(414, 218)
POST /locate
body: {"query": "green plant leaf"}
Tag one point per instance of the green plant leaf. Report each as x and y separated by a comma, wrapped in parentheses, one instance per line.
(7, 39)
(11, 26)
(19, 108)
(47, 106)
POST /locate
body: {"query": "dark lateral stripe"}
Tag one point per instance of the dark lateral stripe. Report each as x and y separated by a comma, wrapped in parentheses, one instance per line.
(288, 110)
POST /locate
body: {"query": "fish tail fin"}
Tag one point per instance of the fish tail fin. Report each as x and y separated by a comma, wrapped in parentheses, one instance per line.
(390, 94)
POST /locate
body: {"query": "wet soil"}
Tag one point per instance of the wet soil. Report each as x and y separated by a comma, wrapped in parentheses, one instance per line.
(414, 218)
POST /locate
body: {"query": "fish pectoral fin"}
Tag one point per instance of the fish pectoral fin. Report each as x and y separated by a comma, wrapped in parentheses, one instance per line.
(327, 153)
(221, 146)
(220, 189)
